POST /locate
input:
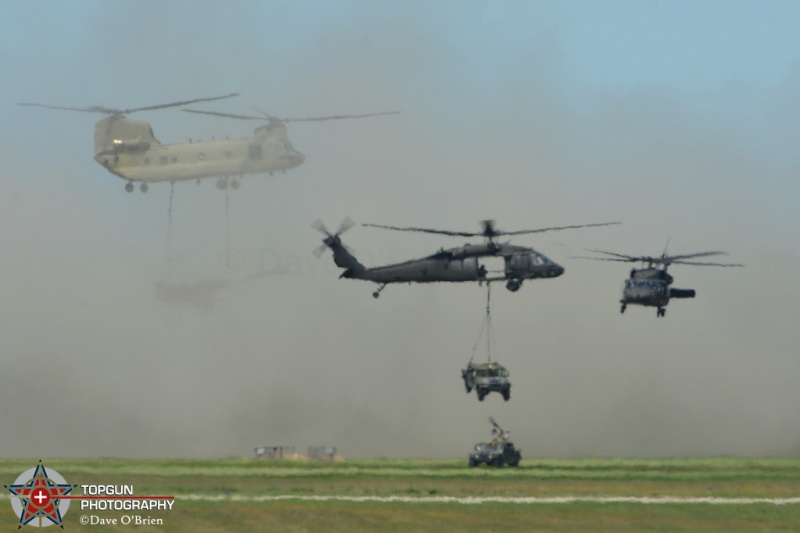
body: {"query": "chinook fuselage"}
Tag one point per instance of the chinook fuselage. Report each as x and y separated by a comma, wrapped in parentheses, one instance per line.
(128, 149)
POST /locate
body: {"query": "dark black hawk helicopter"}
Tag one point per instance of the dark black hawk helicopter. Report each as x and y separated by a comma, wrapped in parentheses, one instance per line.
(650, 286)
(452, 265)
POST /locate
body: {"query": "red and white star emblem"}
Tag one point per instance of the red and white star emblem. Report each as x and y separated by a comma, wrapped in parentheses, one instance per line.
(39, 497)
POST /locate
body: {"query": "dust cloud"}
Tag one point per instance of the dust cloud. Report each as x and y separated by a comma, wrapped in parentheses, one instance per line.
(94, 365)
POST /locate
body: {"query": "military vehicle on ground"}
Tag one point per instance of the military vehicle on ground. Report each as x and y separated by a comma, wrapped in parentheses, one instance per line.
(486, 378)
(498, 452)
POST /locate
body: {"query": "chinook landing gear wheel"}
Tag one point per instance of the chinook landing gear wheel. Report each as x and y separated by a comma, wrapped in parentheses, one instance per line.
(235, 184)
(513, 285)
(622, 309)
(661, 311)
(129, 187)
(143, 187)
(507, 394)
(481, 394)
(222, 184)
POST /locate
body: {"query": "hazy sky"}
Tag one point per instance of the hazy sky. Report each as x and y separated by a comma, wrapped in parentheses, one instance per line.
(678, 118)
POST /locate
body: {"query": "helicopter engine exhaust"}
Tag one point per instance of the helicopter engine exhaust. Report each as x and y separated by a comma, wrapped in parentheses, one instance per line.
(681, 293)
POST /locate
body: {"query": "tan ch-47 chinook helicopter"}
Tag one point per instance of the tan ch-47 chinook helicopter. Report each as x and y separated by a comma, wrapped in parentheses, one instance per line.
(128, 148)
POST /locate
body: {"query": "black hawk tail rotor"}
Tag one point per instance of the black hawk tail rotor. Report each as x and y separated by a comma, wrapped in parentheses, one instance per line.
(331, 239)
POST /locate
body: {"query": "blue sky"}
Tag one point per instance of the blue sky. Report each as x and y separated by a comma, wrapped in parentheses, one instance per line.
(678, 118)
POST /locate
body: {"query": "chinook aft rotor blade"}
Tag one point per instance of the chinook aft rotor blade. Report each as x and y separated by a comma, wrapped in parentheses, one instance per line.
(270, 118)
(335, 117)
(113, 111)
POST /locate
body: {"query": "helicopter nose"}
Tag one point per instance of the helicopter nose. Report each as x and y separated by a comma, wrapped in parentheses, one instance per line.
(557, 270)
(296, 159)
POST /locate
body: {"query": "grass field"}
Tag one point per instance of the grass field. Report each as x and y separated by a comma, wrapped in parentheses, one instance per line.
(719, 495)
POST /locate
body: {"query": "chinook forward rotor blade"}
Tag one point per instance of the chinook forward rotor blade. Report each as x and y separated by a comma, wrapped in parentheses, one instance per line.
(95, 109)
(112, 111)
(178, 104)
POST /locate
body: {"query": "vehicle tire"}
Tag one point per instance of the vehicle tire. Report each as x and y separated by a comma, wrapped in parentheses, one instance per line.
(499, 462)
(472, 463)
